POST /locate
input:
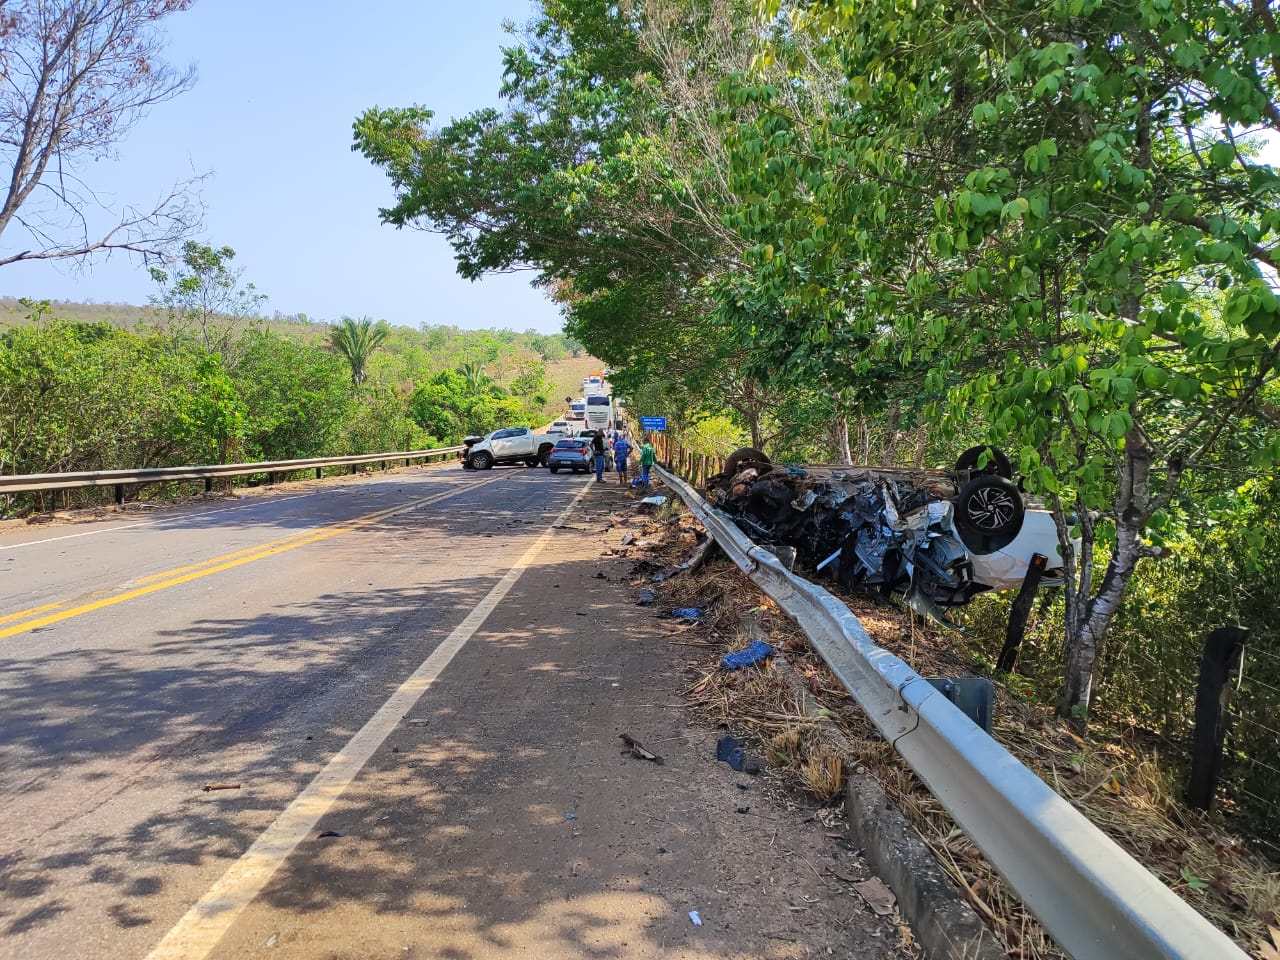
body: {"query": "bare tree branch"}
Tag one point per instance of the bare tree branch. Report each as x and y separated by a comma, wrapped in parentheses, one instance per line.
(77, 75)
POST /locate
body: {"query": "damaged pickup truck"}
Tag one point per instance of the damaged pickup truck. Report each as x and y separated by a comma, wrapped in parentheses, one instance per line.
(935, 537)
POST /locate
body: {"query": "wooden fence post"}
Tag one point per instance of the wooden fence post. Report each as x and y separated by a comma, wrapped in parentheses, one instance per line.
(1018, 614)
(1221, 650)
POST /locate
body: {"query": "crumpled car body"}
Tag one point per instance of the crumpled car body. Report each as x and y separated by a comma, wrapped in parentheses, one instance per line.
(895, 531)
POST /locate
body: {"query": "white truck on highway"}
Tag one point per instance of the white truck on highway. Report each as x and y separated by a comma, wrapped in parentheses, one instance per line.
(508, 445)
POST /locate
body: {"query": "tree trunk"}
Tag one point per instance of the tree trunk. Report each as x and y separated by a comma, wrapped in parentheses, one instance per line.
(891, 434)
(840, 429)
(1087, 623)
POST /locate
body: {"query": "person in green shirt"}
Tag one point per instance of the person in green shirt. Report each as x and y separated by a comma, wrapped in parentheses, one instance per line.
(648, 457)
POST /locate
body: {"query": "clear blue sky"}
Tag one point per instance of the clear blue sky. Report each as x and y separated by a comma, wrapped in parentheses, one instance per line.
(270, 119)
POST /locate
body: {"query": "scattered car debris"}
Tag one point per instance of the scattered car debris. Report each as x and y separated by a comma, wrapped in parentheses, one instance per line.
(646, 598)
(731, 752)
(628, 538)
(636, 748)
(324, 834)
(220, 786)
(654, 501)
(877, 896)
(742, 810)
(936, 538)
(753, 652)
(697, 920)
(570, 816)
(688, 614)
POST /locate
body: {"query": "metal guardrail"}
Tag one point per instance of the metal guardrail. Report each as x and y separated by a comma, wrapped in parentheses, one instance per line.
(34, 482)
(1095, 900)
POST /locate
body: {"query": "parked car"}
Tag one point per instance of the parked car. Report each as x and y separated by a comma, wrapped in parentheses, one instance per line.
(935, 537)
(571, 454)
(608, 451)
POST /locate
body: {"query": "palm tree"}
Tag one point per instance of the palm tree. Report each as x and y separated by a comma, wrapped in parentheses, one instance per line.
(476, 379)
(356, 340)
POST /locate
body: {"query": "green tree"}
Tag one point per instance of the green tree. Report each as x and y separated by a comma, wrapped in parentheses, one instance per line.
(1051, 219)
(205, 299)
(355, 341)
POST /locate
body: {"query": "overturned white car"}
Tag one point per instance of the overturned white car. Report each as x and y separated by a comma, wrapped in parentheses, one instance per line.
(935, 537)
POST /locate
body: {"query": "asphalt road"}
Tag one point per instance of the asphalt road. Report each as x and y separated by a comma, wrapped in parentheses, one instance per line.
(413, 684)
(144, 657)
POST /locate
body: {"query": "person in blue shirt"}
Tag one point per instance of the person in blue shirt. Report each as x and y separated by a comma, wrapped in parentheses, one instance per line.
(620, 450)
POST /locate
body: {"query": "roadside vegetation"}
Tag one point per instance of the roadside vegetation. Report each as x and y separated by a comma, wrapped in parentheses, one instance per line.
(175, 386)
(886, 231)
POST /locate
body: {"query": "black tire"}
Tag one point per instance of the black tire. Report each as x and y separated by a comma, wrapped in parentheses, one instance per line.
(544, 456)
(482, 460)
(555, 468)
(997, 463)
(990, 507)
(531, 462)
(744, 456)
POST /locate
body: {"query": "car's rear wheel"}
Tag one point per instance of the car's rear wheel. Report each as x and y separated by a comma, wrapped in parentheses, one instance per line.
(544, 456)
(531, 461)
(482, 460)
(555, 468)
(990, 506)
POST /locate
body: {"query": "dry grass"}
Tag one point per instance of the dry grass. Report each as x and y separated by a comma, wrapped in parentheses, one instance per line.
(1115, 779)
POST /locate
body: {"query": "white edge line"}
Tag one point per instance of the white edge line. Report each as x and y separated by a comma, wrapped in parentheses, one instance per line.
(196, 934)
(69, 536)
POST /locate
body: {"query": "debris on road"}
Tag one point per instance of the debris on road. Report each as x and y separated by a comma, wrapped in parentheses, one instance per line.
(628, 538)
(690, 614)
(877, 896)
(731, 752)
(646, 598)
(325, 834)
(221, 786)
(697, 920)
(653, 501)
(754, 652)
(636, 748)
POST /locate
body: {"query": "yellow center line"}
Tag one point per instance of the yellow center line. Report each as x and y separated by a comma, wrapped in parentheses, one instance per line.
(32, 612)
(226, 556)
(267, 550)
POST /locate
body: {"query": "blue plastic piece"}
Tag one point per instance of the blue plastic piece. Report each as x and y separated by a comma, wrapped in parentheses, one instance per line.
(687, 613)
(754, 652)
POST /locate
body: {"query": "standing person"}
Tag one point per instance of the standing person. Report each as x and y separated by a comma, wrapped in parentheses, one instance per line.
(648, 457)
(597, 448)
(620, 450)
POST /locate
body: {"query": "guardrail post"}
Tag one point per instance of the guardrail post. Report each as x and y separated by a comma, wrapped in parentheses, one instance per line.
(353, 468)
(1221, 649)
(119, 494)
(384, 464)
(406, 461)
(208, 484)
(319, 473)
